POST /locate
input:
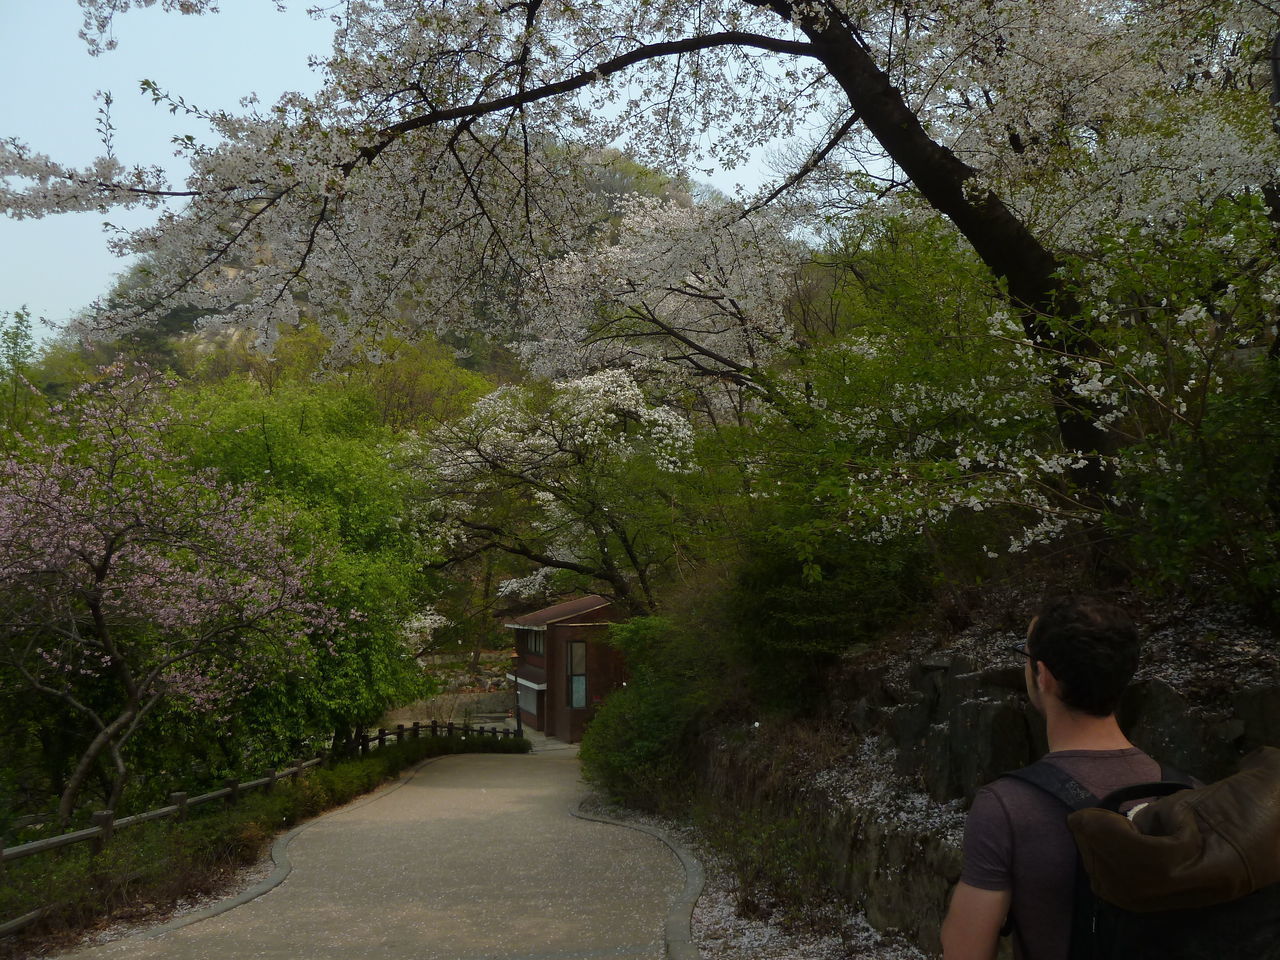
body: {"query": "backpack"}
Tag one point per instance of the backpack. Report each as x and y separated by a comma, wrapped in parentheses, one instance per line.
(1192, 875)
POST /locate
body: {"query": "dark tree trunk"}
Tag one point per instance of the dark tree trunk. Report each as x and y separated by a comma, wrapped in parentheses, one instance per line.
(99, 744)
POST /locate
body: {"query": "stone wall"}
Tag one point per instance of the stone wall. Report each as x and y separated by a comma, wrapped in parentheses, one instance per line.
(890, 815)
(480, 708)
(956, 726)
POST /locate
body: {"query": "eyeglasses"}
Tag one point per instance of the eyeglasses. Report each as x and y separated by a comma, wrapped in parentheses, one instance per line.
(1018, 648)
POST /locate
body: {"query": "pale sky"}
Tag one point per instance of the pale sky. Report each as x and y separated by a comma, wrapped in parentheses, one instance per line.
(59, 265)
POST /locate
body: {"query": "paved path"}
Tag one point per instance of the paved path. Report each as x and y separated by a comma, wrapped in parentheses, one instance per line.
(475, 857)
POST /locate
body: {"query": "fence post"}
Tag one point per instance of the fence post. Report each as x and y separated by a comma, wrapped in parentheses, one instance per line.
(417, 729)
(382, 737)
(179, 799)
(105, 820)
(234, 786)
(435, 728)
(399, 733)
(506, 732)
(449, 729)
(364, 742)
(323, 756)
(271, 779)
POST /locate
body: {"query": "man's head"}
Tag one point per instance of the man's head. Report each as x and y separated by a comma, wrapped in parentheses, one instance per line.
(1090, 648)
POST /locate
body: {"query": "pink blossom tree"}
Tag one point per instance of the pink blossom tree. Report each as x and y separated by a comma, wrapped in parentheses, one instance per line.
(126, 578)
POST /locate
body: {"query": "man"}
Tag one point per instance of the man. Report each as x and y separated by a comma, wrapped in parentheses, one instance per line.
(1019, 855)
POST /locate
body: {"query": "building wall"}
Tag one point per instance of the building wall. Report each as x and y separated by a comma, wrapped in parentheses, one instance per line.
(532, 714)
(605, 672)
(557, 720)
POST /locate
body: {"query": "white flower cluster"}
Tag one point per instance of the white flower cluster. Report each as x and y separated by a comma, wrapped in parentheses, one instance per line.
(532, 587)
(694, 291)
(1083, 115)
(375, 203)
(424, 623)
(598, 417)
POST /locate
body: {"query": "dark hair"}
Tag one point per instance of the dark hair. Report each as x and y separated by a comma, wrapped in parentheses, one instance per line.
(1092, 648)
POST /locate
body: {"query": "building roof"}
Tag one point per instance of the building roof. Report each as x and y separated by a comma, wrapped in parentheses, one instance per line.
(540, 619)
(530, 676)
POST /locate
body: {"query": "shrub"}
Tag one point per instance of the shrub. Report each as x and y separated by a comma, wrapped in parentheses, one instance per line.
(633, 747)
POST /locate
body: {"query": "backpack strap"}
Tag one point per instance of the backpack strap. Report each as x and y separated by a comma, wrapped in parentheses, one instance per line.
(1056, 782)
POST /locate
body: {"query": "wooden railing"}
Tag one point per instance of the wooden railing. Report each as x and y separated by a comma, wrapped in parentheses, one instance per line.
(105, 824)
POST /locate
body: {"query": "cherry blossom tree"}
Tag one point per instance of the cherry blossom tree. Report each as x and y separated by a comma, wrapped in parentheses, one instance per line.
(568, 477)
(694, 296)
(126, 578)
(444, 159)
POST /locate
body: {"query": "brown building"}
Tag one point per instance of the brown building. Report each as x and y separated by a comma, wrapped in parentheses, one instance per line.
(564, 668)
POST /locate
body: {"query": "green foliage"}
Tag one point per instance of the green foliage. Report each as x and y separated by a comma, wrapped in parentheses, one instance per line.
(301, 439)
(17, 355)
(777, 864)
(802, 588)
(636, 747)
(320, 449)
(1209, 497)
(1187, 328)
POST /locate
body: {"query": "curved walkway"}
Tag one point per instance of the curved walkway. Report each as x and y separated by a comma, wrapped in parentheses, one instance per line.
(473, 857)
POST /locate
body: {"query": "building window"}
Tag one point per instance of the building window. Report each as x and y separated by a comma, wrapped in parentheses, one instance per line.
(528, 699)
(577, 674)
(535, 642)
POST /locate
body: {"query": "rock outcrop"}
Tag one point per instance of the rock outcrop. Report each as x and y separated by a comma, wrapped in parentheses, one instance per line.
(924, 737)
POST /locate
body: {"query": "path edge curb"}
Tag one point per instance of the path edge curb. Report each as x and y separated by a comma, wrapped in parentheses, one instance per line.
(678, 931)
(280, 857)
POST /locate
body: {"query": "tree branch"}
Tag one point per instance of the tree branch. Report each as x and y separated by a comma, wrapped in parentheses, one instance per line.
(641, 54)
(807, 167)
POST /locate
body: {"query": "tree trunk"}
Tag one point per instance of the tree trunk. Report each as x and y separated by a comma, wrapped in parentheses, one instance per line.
(482, 620)
(71, 793)
(118, 781)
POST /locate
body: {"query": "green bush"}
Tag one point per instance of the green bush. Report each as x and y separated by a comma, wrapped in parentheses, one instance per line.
(827, 596)
(634, 748)
(1209, 498)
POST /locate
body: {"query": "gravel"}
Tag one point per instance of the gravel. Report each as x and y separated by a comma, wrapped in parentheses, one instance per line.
(721, 933)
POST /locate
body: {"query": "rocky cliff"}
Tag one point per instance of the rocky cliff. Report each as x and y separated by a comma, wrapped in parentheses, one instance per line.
(907, 737)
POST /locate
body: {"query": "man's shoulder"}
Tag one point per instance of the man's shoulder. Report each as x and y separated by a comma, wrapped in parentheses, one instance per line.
(1098, 771)
(1012, 794)
(1008, 801)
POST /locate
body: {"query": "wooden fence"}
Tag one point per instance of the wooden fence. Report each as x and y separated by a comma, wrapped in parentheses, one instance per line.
(105, 824)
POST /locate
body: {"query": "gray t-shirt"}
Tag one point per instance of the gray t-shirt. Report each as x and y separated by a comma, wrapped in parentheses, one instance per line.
(1016, 837)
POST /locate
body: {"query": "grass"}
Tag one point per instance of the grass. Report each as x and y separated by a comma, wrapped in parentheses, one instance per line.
(158, 863)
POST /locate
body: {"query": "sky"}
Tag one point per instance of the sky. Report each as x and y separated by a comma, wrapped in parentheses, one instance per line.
(59, 265)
